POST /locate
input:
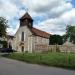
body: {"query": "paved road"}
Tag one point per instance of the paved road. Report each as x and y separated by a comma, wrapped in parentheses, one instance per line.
(13, 67)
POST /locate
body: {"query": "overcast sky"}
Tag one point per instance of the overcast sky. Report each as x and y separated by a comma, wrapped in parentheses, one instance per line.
(51, 16)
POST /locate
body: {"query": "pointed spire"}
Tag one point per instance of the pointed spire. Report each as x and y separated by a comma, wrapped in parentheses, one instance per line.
(26, 16)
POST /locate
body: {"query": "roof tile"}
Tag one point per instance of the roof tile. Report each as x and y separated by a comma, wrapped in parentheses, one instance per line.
(40, 33)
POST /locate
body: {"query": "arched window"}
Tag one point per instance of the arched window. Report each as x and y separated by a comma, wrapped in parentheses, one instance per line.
(22, 36)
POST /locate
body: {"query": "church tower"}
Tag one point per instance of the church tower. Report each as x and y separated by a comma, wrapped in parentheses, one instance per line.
(26, 19)
(26, 35)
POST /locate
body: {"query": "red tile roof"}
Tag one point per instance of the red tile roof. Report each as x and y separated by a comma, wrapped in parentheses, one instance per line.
(40, 33)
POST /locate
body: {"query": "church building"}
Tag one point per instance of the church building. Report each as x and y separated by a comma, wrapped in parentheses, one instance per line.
(28, 38)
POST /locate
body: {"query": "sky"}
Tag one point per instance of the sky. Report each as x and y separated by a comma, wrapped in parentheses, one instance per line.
(51, 16)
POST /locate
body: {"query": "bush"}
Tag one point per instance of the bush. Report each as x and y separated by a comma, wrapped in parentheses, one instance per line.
(4, 43)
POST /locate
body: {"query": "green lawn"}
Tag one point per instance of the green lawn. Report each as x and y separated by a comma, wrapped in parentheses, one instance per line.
(64, 60)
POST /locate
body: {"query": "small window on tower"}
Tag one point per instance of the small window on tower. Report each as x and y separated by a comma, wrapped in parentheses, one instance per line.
(29, 24)
(26, 20)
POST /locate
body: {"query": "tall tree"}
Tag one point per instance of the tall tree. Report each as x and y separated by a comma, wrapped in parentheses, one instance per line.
(3, 27)
(56, 39)
(70, 33)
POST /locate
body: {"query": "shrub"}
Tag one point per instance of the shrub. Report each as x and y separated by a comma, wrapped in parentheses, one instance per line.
(4, 43)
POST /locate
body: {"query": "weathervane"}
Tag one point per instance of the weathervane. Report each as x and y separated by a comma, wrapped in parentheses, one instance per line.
(26, 9)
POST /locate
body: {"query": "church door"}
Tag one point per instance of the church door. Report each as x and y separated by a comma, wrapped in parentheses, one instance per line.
(22, 48)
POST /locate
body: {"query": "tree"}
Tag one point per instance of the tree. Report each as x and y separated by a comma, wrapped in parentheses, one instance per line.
(3, 27)
(65, 37)
(70, 33)
(56, 39)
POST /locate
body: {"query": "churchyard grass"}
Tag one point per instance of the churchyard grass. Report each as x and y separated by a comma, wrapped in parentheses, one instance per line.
(63, 60)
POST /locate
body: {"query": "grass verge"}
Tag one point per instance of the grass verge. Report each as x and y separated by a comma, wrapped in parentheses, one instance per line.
(63, 60)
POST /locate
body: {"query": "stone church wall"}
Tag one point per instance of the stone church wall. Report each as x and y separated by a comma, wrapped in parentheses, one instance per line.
(40, 44)
(17, 43)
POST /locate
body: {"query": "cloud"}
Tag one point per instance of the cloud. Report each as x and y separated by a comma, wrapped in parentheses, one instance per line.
(45, 6)
(49, 15)
(7, 9)
(57, 14)
(11, 30)
(58, 25)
